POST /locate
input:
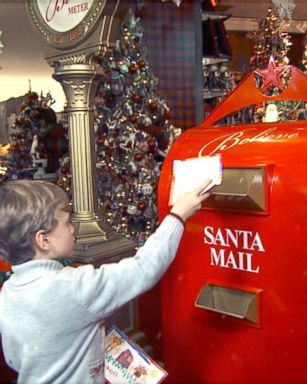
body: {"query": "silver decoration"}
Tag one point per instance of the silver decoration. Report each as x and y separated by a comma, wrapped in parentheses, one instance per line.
(177, 2)
(284, 8)
(1, 45)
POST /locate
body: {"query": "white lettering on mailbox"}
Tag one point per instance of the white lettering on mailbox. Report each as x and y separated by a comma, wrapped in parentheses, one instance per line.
(247, 136)
(241, 240)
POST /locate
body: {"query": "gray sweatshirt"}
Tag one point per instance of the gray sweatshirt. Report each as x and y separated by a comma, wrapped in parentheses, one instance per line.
(50, 315)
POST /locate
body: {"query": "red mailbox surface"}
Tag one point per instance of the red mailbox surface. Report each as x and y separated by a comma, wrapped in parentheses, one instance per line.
(6, 374)
(243, 257)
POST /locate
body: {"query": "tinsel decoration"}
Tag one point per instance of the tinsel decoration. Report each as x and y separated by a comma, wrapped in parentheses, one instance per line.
(133, 134)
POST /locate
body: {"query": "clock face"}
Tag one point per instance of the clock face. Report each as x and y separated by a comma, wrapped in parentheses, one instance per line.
(63, 15)
(64, 23)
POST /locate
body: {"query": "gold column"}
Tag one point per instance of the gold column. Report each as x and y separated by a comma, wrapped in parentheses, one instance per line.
(96, 242)
(79, 82)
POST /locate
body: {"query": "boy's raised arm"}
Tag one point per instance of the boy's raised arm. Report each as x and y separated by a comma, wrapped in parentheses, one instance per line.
(105, 289)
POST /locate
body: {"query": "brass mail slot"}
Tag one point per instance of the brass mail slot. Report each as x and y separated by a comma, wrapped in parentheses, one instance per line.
(232, 302)
(242, 189)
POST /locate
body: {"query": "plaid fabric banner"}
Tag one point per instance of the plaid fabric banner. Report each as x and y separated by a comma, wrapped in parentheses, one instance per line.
(172, 36)
(174, 52)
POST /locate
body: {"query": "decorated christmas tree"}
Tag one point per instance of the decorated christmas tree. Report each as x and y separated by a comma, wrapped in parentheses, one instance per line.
(133, 134)
(270, 50)
(269, 40)
(36, 141)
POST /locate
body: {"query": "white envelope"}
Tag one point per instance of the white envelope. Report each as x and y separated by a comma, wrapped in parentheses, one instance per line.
(191, 173)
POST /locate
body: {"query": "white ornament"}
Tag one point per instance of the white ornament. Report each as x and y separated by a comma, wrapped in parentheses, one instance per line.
(132, 20)
(147, 189)
(129, 142)
(284, 8)
(124, 68)
(132, 209)
(133, 166)
(147, 121)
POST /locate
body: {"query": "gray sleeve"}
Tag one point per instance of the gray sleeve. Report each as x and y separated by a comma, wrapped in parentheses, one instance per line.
(105, 289)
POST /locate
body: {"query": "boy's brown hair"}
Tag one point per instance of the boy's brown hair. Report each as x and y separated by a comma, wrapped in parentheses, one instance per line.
(27, 206)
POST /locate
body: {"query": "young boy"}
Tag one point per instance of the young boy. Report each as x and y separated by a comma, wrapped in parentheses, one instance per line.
(50, 315)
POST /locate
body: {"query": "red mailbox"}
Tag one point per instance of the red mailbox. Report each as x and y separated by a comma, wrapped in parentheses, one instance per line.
(234, 302)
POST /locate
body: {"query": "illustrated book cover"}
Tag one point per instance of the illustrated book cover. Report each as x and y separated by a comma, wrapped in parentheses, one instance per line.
(126, 362)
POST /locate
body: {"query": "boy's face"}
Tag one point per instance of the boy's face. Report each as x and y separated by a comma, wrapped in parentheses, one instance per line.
(61, 237)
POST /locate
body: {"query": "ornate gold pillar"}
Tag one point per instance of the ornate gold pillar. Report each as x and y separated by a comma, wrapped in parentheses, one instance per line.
(95, 241)
(79, 82)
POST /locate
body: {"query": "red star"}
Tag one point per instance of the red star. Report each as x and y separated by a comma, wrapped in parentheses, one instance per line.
(271, 75)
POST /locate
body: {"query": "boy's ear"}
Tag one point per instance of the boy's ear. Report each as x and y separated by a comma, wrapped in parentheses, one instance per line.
(42, 240)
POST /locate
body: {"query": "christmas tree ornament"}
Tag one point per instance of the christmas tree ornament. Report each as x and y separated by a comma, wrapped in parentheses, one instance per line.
(141, 64)
(153, 105)
(272, 76)
(147, 189)
(133, 68)
(136, 98)
(141, 205)
(133, 118)
(146, 120)
(132, 209)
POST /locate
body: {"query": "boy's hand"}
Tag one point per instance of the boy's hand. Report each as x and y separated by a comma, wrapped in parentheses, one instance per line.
(188, 203)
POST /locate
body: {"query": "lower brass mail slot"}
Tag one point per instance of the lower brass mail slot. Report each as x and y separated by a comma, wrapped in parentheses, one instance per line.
(232, 302)
(242, 189)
